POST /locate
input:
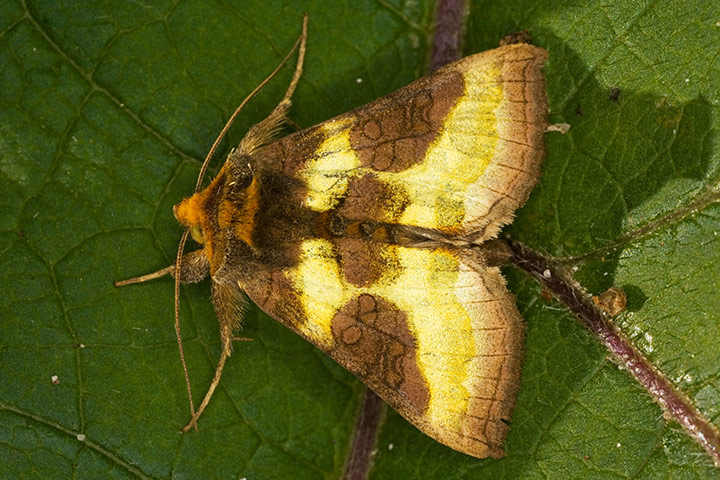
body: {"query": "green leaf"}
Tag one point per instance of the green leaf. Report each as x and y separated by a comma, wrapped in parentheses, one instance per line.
(106, 111)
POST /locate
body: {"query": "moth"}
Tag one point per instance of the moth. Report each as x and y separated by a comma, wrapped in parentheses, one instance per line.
(370, 235)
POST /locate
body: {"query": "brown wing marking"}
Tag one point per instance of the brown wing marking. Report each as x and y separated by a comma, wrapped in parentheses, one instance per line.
(387, 205)
(393, 133)
(373, 335)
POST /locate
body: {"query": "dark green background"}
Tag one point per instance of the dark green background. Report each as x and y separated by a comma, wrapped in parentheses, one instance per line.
(106, 111)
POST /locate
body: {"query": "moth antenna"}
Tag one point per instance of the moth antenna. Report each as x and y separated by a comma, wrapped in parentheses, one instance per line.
(178, 266)
(215, 381)
(300, 42)
(265, 131)
(301, 59)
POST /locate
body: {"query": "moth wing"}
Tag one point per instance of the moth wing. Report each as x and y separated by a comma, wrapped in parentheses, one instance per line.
(457, 151)
(439, 339)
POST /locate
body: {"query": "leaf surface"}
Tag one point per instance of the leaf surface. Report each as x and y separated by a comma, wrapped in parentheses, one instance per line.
(107, 111)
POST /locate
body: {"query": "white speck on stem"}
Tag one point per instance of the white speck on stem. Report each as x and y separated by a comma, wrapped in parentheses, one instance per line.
(649, 339)
(80, 437)
(547, 273)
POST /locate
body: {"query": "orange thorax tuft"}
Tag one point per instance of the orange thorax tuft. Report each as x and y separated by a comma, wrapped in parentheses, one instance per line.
(193, 212)
(190, 211)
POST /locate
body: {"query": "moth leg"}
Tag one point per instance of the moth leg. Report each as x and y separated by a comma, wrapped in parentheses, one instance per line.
(230, 303)
(194, 268)
(213, 385)
(215, 381)
(264, 132)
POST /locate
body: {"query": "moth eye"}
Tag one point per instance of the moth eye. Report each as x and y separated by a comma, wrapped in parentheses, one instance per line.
(197, 234)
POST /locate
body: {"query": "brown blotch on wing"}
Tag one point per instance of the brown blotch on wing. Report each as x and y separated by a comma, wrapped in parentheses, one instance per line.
(373, 339)
(370, 198)
(365, 263)
(393, 133)
(360, 262)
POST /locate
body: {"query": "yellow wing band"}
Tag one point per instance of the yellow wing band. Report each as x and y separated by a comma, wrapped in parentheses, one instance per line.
(424, 291)
(457, 158)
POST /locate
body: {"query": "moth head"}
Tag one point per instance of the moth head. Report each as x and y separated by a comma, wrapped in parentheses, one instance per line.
(195, 212)
(228, 204)
(191, 213)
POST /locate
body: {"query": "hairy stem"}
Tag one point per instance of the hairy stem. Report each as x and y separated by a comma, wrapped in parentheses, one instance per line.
(570, 293)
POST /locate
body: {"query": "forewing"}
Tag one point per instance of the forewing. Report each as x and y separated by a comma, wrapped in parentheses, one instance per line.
(456, 151)
(439, 339)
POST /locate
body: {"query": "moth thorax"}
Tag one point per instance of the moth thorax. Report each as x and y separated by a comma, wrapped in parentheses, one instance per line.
(239, 170)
